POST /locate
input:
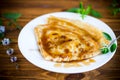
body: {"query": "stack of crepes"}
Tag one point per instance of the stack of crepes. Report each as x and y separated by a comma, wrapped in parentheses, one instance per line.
(64, 40)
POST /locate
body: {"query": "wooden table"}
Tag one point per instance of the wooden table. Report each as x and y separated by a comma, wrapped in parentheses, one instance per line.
(31, 9)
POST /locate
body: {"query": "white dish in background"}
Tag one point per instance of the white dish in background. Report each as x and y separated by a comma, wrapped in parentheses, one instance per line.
(29, 49)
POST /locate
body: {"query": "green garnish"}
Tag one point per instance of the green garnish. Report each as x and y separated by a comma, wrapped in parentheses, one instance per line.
(85, 11)
(73, 10)
(107, 36)
(104, 50)
(12, 17)
(95, 14)
(113, 47)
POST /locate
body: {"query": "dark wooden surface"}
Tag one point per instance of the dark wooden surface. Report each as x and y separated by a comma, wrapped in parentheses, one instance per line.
(30, 9)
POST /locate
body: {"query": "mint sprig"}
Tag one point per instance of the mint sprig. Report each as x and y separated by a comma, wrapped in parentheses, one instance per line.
(12, 21)
(105, 49)
(12, 18)
(85, 11)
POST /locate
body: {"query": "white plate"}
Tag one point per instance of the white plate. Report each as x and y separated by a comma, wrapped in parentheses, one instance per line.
(28, 46)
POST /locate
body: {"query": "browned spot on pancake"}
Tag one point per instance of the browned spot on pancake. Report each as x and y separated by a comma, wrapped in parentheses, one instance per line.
(66, 50)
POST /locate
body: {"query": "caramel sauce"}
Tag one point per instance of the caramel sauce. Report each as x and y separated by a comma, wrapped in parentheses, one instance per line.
(85, 62)
(48, 48)
(92, 60)
(75, 64)
(58, 65)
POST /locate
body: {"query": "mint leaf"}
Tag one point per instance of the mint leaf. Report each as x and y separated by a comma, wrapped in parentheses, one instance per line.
(83, 13)
(88, 10)
(107, 36)
(73, 10)
(79, 11)
(95, 13)
(13, 16)
(113, 47)
(81, 5)
(104, 50)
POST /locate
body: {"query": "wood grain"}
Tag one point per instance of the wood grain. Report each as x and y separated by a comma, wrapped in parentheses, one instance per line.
(30, 9)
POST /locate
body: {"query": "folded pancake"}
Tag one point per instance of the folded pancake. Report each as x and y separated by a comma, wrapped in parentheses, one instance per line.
(64, 40)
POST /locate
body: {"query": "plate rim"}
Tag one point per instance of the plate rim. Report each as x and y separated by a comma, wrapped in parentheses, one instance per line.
(58, 71)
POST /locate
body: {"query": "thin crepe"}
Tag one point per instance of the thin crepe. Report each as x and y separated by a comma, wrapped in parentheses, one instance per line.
(64, 40)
